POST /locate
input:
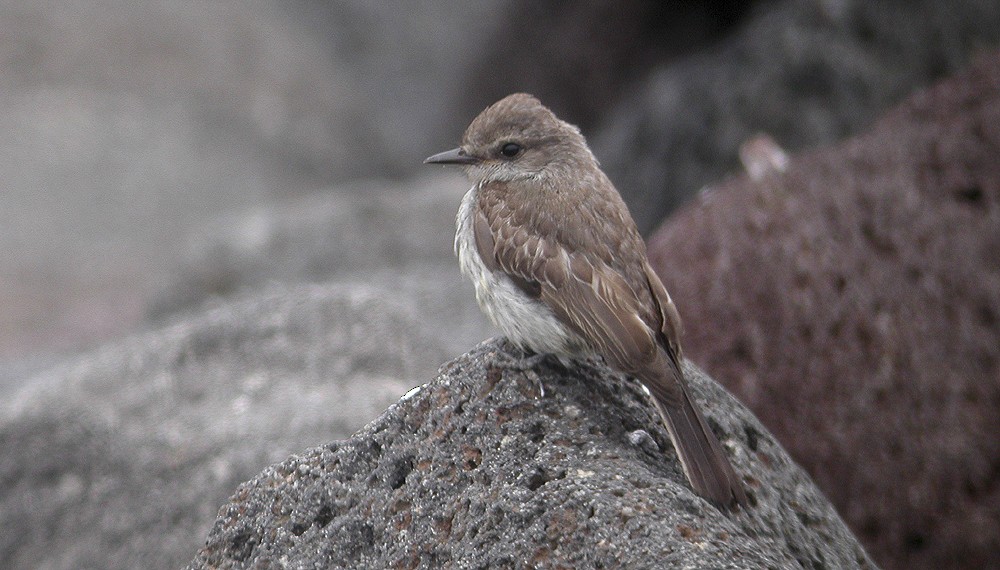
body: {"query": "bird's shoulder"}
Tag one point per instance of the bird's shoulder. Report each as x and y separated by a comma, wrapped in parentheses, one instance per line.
(549, 235)
(591, 222)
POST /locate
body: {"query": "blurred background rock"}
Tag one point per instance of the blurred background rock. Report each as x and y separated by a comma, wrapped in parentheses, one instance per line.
(131, 127)
(161, 160)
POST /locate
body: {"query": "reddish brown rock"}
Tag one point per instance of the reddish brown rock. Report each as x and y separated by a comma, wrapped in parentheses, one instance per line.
(853, 302)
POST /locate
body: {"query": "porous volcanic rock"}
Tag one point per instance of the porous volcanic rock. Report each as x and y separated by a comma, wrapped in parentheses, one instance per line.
(853, 302)
(480, 469)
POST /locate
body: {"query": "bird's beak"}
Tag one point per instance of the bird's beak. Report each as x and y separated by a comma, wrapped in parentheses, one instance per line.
(453, 156)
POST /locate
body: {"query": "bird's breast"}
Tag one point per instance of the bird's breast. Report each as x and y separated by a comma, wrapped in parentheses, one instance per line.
(524, 320)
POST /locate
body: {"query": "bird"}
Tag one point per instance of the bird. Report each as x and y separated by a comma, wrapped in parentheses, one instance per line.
(560, 268)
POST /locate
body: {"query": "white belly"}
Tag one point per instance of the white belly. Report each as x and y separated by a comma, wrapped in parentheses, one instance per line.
(525, 321)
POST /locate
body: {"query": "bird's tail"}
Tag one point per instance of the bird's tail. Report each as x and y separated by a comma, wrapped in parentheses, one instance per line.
(701, 455)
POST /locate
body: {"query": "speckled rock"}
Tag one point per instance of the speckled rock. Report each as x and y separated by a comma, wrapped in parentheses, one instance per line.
(480, 469)
(853, 303)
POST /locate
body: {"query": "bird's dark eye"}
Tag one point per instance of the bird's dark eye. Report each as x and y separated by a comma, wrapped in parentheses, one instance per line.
(510, 150)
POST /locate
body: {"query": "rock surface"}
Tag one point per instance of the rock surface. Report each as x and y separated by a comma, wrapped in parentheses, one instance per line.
(119, 459)
(582, 57)
(477, 469)
(397, 236)
(853, 303)
(128, 125)
(804, 72)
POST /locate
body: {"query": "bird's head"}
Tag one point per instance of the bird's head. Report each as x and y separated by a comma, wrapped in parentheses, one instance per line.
(518, 138)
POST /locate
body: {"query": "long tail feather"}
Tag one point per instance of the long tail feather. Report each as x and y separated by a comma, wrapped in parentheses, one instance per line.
(701, 455)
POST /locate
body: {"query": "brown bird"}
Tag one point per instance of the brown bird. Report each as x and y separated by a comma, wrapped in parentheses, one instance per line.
(559, 266)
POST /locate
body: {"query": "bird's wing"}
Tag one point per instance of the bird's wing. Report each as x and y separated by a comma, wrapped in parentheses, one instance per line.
(584, 293)
(599, 305)
(670, 319)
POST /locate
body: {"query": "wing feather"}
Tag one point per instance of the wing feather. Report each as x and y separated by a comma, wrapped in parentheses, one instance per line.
(600, 293)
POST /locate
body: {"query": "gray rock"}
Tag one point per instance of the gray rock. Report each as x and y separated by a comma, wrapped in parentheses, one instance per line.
(120, 458)
(806, 73)
(399, 236)
(129, 124)
(581, 57)
(476, 469)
